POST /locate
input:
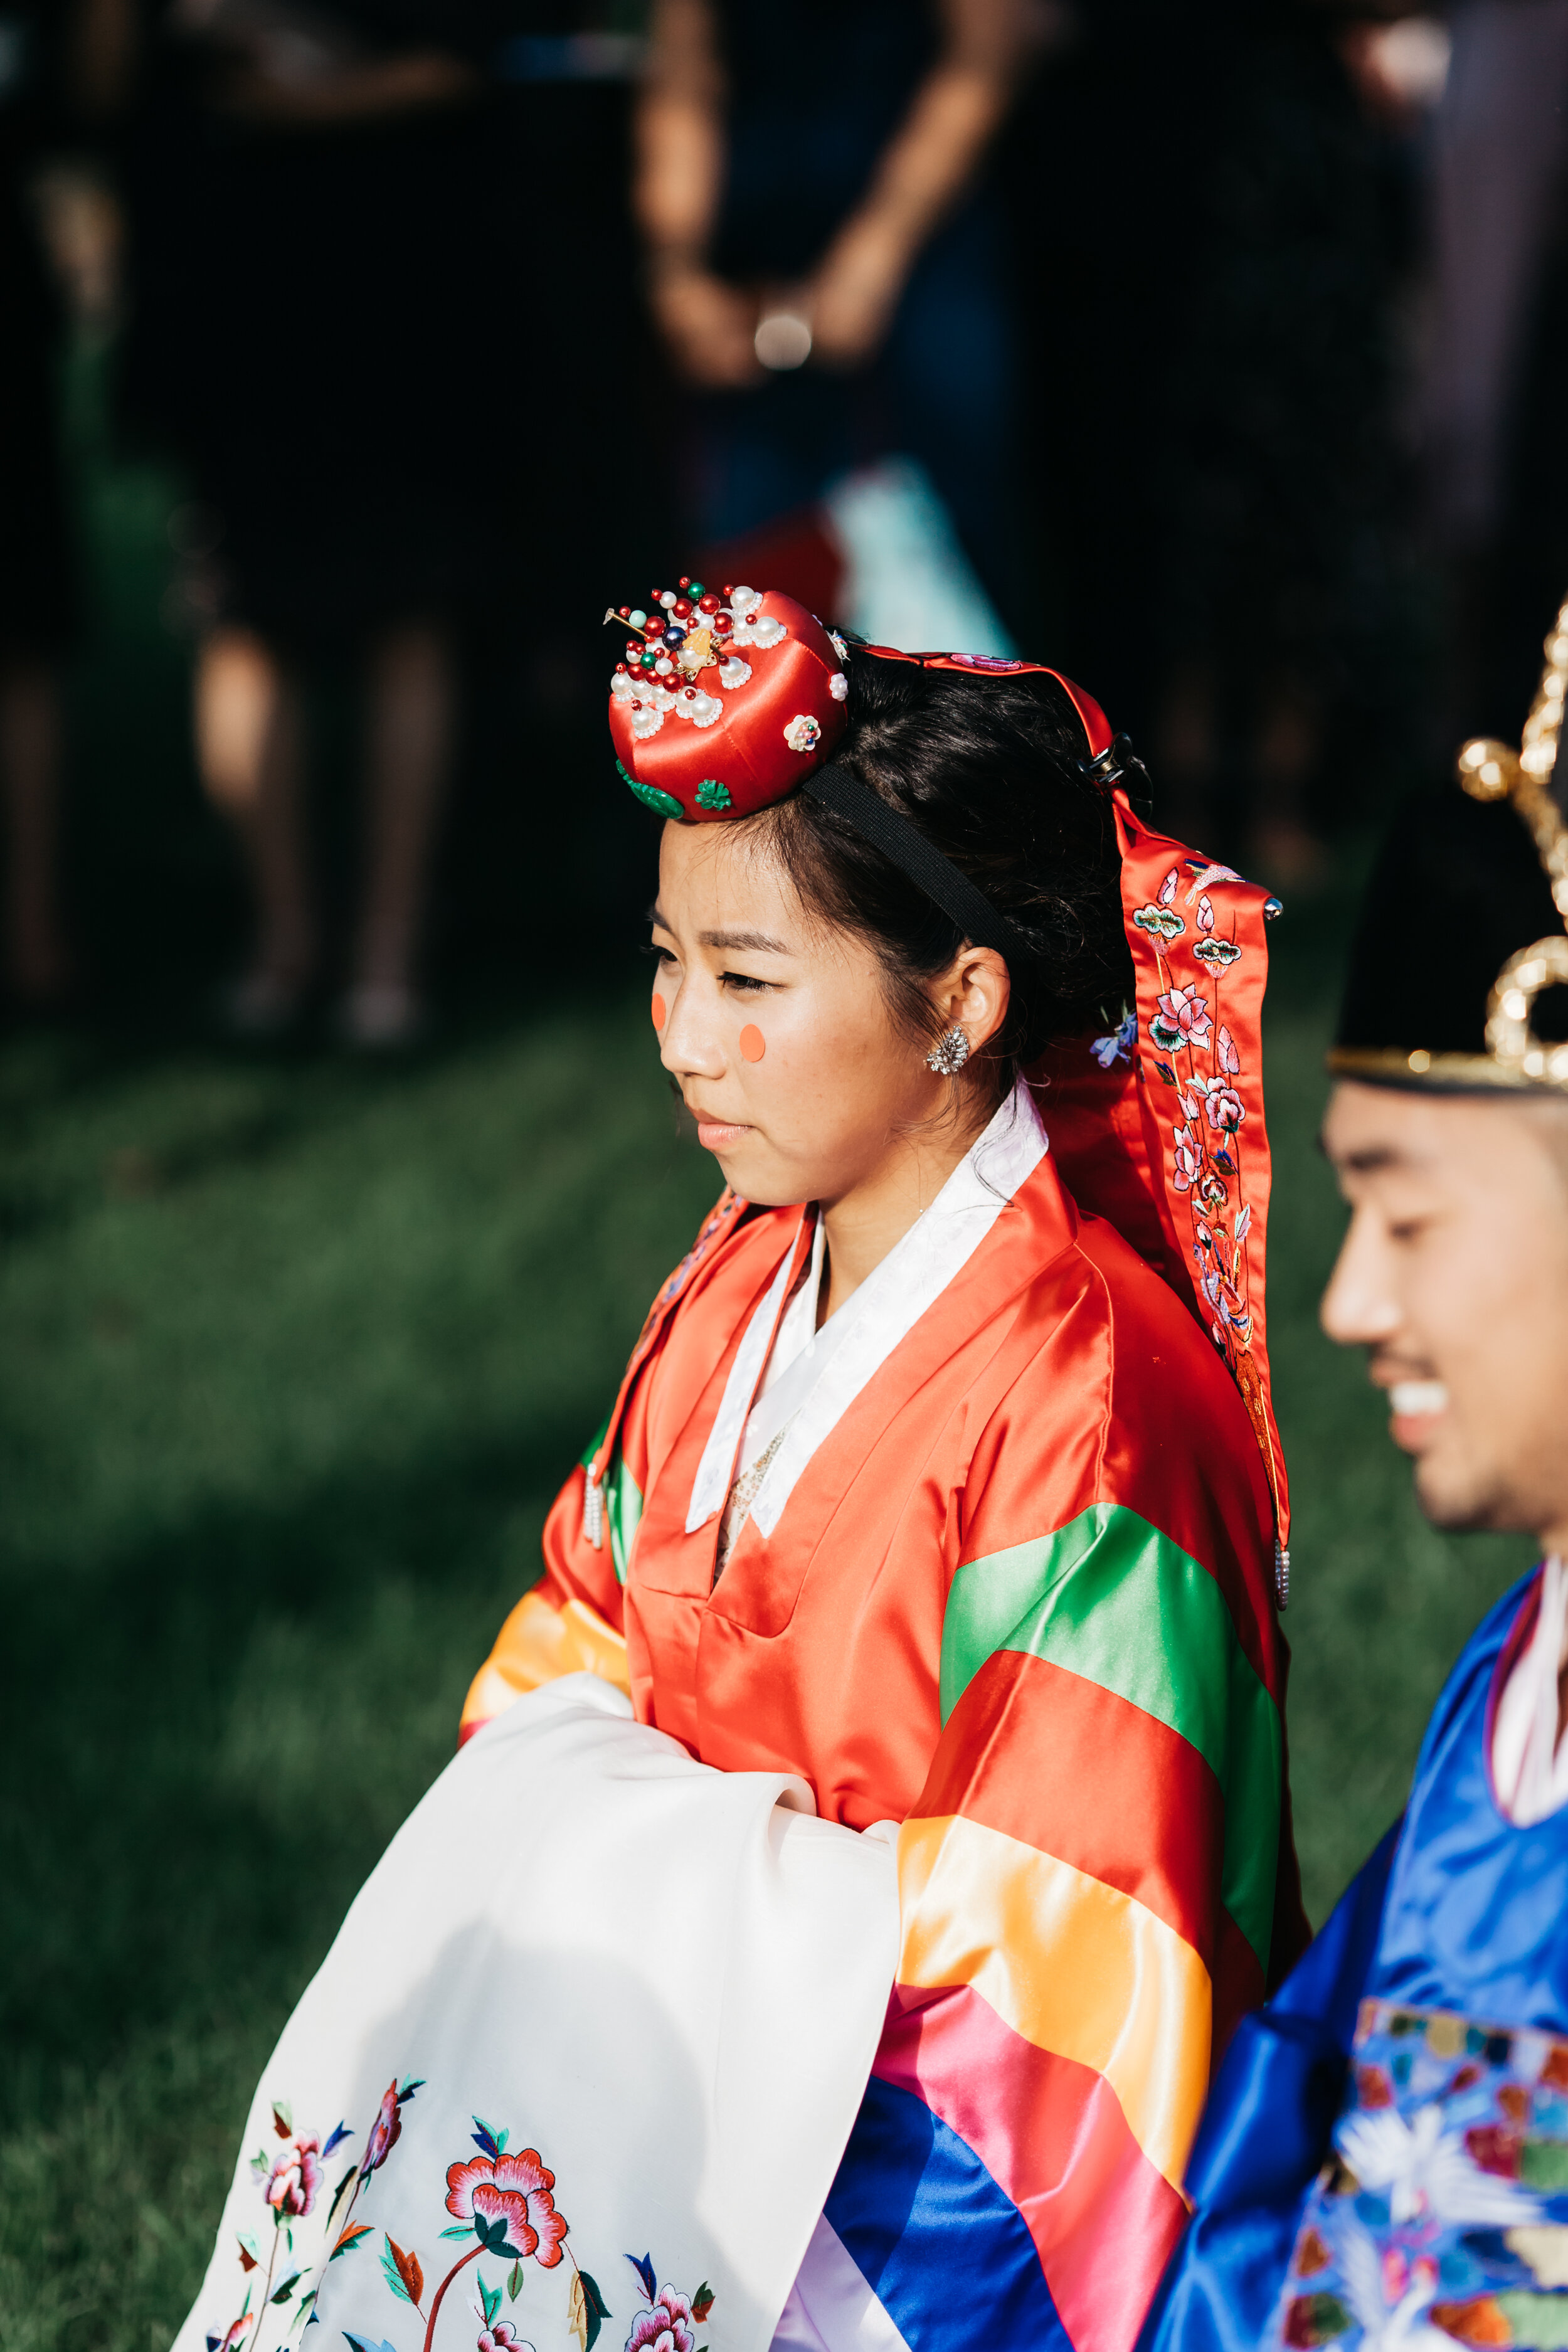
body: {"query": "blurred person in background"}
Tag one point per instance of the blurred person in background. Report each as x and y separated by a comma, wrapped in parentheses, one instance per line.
(39, 601)
(824, 261)
(316, 347)
(1495, 216)
(343, 325)
(1209, 240)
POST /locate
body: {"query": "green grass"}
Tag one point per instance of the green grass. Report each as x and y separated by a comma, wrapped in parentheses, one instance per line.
(294, 1355)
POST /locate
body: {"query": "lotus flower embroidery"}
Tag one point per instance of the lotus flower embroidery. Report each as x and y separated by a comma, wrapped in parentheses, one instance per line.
(513, 2190)
(1189, 1158)
(1224, 1109)
(1183, 1019)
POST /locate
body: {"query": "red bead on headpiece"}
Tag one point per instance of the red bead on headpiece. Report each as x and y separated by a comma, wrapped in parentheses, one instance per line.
(725, 707)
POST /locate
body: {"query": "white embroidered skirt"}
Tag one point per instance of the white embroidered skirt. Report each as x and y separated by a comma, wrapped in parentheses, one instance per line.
(581, 2060)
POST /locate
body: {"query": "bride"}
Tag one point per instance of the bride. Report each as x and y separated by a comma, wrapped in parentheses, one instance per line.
(941, 1512)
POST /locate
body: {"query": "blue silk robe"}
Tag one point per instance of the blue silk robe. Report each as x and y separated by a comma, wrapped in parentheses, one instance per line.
(1458, 1911)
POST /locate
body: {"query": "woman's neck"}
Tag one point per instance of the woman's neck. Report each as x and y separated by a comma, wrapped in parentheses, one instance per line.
(874, 1217)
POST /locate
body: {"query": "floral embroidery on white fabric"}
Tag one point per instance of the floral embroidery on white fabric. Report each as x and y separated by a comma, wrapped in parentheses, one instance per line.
(803, 733)
(838, 684)
(733, 672)
(504, 2202)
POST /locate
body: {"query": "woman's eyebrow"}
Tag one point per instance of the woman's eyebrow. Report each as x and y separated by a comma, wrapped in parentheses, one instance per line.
(755, 942)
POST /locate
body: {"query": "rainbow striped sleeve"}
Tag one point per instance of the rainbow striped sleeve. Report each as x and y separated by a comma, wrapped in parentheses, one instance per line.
(1086, 1888)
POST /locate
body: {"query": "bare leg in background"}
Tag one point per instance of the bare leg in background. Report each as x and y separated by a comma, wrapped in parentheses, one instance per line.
(250, 750)
(409, 730)
(37, 958)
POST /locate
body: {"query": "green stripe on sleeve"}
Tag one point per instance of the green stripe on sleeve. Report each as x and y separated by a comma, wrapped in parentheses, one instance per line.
(1111, 1598)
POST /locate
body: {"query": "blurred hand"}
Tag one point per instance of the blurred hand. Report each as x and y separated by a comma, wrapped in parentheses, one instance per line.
(278, 86)
(707, 325)
(849, 303)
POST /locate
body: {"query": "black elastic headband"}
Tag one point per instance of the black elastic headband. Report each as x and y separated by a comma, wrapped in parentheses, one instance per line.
(912, 854)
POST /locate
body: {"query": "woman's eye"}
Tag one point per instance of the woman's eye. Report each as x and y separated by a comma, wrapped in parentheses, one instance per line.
(747, 981)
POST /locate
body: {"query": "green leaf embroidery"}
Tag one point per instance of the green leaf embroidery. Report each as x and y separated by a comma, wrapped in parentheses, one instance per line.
(389, 2270)
(491, 2300)
(514, 2283)
(459, 2229)
(596, 2310)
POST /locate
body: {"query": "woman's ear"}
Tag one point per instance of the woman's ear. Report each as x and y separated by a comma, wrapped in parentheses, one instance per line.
(973, 995)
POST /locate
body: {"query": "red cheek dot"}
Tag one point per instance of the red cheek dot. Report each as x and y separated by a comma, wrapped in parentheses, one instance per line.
(658, 1011)
(754, 1046)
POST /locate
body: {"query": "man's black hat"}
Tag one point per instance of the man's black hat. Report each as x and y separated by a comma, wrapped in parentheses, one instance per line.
(1458, 977)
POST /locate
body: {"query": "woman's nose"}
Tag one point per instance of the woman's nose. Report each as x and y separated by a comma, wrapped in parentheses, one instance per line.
(689, 1045)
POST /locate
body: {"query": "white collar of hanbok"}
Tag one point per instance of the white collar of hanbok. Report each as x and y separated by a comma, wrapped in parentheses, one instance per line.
(873, 1319)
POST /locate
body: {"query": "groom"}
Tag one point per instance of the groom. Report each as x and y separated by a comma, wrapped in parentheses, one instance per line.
(1384, 2154)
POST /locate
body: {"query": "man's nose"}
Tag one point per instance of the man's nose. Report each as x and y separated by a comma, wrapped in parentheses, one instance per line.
(1360, 1308)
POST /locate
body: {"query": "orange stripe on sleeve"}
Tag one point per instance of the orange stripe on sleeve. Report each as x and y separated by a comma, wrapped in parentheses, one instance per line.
(1076, 1967)
(538, 1643)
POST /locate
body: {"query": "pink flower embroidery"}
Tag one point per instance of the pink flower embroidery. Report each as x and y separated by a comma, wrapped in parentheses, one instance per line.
(1183, 1019)
(1189, 1158)
(665, 2328)
(1230, 1059)
(514, 2191)
(1225, 1109)
(296, 2175)
(499, 2338)
(384, 2132)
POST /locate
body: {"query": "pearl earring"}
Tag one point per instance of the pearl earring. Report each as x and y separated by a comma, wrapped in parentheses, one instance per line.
(950, 1053)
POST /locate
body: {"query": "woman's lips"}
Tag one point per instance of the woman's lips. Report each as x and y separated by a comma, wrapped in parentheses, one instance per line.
(1413, 1407)
(719, 1135)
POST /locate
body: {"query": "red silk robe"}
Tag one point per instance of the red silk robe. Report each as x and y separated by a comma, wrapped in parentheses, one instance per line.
(1018, 1597)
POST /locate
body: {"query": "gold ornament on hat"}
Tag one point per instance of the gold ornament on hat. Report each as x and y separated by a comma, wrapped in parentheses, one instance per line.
(1494, 772)
(1490, 771)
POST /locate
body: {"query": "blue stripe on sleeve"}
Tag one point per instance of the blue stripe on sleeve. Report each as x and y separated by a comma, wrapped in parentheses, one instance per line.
(943, 2248)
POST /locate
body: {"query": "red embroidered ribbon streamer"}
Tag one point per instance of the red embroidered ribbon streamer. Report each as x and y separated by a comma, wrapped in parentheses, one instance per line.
(1200, 957)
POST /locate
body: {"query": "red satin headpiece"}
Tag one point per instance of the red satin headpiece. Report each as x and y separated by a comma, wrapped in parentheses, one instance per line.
(727, 700)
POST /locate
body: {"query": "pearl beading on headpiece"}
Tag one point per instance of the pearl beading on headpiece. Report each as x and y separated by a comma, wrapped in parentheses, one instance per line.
(690, 631)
